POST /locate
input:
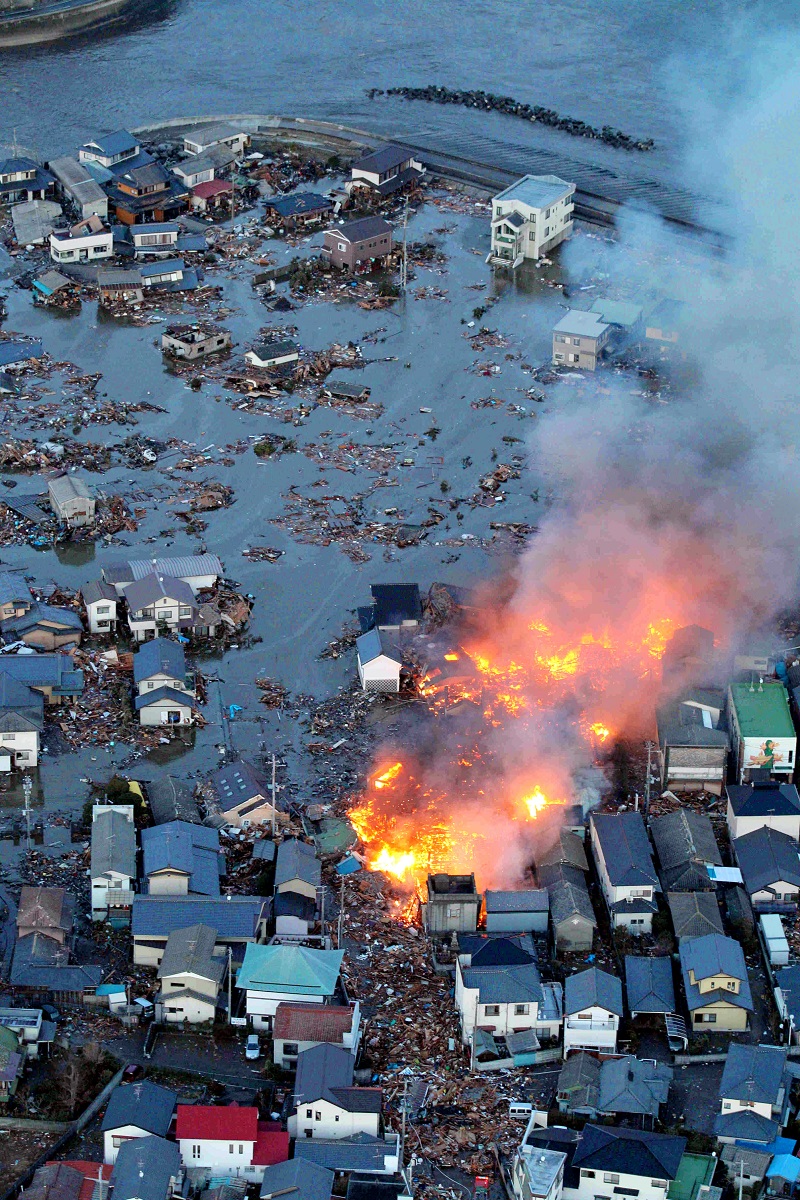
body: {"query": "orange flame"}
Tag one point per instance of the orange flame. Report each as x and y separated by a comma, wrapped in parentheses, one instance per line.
(388, 776)
(535, 802)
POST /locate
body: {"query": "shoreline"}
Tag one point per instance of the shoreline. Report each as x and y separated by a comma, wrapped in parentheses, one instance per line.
(51, 22)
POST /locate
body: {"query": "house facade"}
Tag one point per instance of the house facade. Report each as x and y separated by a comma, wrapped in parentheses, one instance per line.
(579, 339)
(238, 920)
(754, 1094)
(506, 999)
(693, 742)
(271, 975)
(190, 975)
(273, 354)
(763, 805)
(100, 602)
(136, 1110)
(350, 245)
(530, 218)
(625, 868)
(385, 171)
(71, 500)
(113, 862)
(190, 343)
(326, 1105)
(88, 241)
(715, 983)
(770, 866)
(592, 1011)
(228, 1142)
(624, 1162)
(452, 905)
(762, 732)
(158, 602)
(379, 662)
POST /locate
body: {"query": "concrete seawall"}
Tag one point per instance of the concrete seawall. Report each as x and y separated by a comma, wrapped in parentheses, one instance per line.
(50, 22)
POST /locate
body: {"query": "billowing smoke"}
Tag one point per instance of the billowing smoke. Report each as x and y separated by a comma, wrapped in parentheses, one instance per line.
(670, 509)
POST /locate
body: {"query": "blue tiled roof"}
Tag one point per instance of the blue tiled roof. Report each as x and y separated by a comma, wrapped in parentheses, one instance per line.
(232, 917)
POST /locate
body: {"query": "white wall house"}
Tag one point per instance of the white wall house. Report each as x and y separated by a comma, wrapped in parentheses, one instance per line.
(530, 218)
(100, 602)
(220, 1139)
(158, 602)
(763, 805)
(592, 1011)
(113, 861)
(191, 976)
(379, 662)
(82, 243)
(537, 1173)
(136, 1110)
(618, 1162)
(272, 975)
(21, 746)
(625, 868)
(215, 135)
(481, 997)
(326, 1104)
(110, 149)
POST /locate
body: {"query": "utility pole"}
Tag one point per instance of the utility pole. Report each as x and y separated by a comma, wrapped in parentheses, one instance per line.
(27, 788)
(341, 918)
(230, 988)
(647, 783)
(272, 815)
(741, 1177)
(322, 911)
(405, 1171)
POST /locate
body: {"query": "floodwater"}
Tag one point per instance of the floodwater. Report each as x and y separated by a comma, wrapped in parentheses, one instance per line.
(642, 67)
(304, 598)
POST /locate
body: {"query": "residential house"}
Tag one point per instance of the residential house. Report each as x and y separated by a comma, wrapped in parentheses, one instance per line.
(530, 218)
(537, 1173)
(395, 606)
(161, 663)
(228, 135)
(136, 1110)
(385, 171)
(783, 1175)
(592, 1011)
(715, 982)
(754, 1094)
(693, 742)
(147, 193)
(686, 847)
(300, 1179)
(210, 194)
(625, 1086)
(165, 706)
(273, 974)
(664, 322)
(787, 998)
(243, 796)
(120, 284)
(568, 850)
(42, 969)
(770, 866)
(453, 904)
(71, 500)
(579, 339)
(34, 221)
(191, 975)
(53, 675)
(625, 867)
(763, 736)
(148, 1168)
(21, 722)
(499, 990)
(368, 1155)
(182, 859)
(23, 180)
(353, 243)
(273, 354)
(87, 241)
(76, 184)
(297, 868)
(624, 317)
(228, 1141)
(648, 985)
(745, 1164)
(168, 273)
(342, 389)
(694, 914)
(12, 1059)
(299, 1027)
(625, 1162)
(113, 863)
(379, 662)
(326, 1104)
(159, 602)
(156, 237)
(238, 920)
(100, 602)
(62, 1181)
(517, 912)
(53, 288)
(111, 150)
(300, 208)
(15, 596)
(200, 571)
(45, 626)
(15, 353)
(35, 1034)
(46, 910)
(201, 168)
(763, 805)
(190, 342)
(295, 915)
(572, 914)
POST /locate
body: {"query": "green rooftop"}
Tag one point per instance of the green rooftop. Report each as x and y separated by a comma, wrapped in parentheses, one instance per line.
(762, 713)
(293, 970)
(695, 1171)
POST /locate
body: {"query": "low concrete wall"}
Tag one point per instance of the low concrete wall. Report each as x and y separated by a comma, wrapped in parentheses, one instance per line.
(30, 1123)
(57, 21)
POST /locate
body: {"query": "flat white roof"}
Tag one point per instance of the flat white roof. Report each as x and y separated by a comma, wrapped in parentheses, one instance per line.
(584, 324)
(539, 191)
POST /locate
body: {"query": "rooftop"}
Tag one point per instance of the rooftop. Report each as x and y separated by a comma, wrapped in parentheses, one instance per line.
(764, 711)
(110, 144)
(297, 860)
(113, 844)
(625, 848)
(630, 1152)
(694, 914)
(144, 1169)
(362, 229)
(504, 984)
(593, 987)
(142, 593)
(217, 1122)
(145, 1105)
(385, 158)
(581, 324)
(648, 983)
(159, 656)
(528, 901)
(753, 1074)
(233, 917)
(296, 970)
(297, 1179)
(765, 799)
(185, 848)
(537, 191)
(190, 951)
(312, 1022)
(766, 857)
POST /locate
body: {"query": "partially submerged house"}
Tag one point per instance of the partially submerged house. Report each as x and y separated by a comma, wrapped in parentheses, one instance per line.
(190, 342)
(90, 240)
(579, 339)
(273, 354)
(44, 626)
(243, 796)
(71, 501)
(100, 602)
(21, 722)
(387, 170)
(530, 218)
(379, 662)
(353, 243)
(159, 603)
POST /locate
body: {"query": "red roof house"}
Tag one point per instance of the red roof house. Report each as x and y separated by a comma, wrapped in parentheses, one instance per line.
(229, 1140)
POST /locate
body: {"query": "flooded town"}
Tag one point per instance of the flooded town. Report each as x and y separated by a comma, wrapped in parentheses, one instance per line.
(399, 651)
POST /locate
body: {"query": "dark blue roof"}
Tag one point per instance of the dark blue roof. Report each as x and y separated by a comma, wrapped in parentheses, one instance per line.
(232, 917)
(113, 143)
(362, 1152)
(14, 352)
(299, 204)
(144, 1168)
(630, 1152)
(146, 1105)
(159, 656)
(44, 670)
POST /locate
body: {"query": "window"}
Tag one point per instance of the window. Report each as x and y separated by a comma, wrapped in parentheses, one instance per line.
(547, 214)
(195, 1151)
(336, 1118)
(521, 1010)
(308, 1112)
(498, 212)
(8, 737)
(547, 231)
(241, 1148)
(230, 1149)
(150, 684)
(317, 1116)
(587, 1174)
(658, 1183)
(560, 337)
(22, 756)
(103, 608)
(726, 1104)
(731, 985)
(607, 1178)
(453, 911)
(491, 1010)
(532, 236)
(576, 341)
(165, 614)
(185, 612)
(290, 1048)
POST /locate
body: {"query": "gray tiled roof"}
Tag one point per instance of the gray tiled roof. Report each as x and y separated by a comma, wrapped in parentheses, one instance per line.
(694, 914)
(579, 1081)
(626, 848)
(13, 587)
(746, 1125)
(113, 844)
(40, 962)
(190, 849)
(567, 901)
(378, 162)
(771, 799)
(297, 860)
(97, 590)
(144, 1104)
(159, 695)
(68, 487)
(233, 917)
(144, 1168)
(373, 644)
(592, 987)
(301, 1179)
(362, 1152)
(684, 842)
(628, 1085)
(182, 567)
(568, 849)
(528, 901)
(648, 983)
(190, 951)
(159, 656)
(754, 1074)
(361, 229)
(504, 985)
(766, 857)
(144, 592)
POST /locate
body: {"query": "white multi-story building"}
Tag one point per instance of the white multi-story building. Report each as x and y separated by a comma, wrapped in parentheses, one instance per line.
(326, 1105)
(624, 1163)
(228, 1141)
(538, 1173)
(113, 863)
(626, 869)
(503, 1000)
(592, 1011)
(530, 218)
(88, 241)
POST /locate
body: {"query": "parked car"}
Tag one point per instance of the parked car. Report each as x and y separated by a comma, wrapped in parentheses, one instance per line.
(252, 1048)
